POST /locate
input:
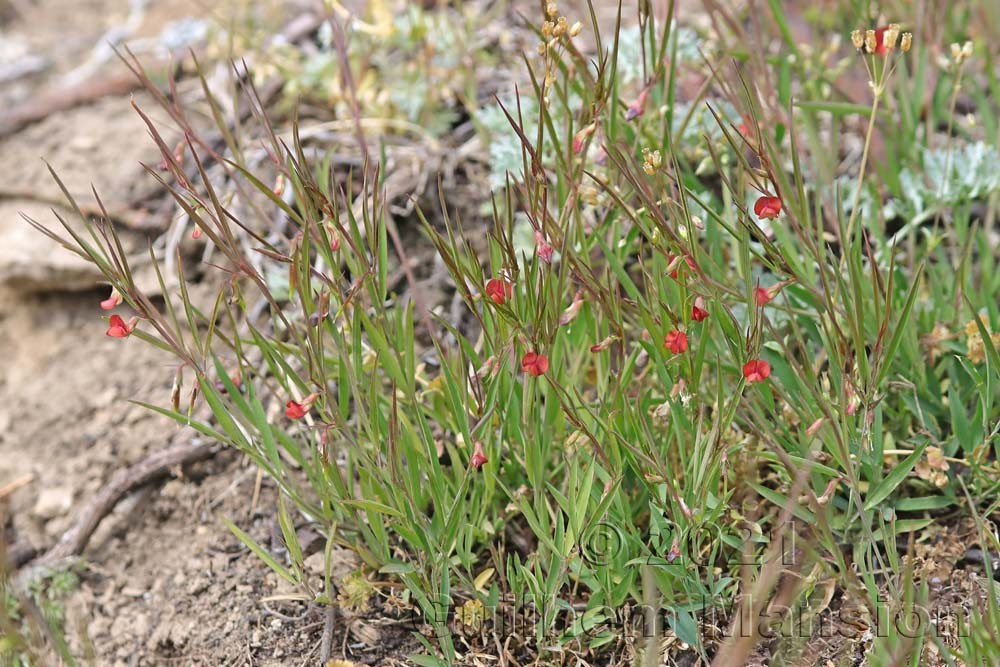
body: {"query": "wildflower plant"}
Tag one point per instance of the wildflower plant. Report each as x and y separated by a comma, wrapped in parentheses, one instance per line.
(695, 360)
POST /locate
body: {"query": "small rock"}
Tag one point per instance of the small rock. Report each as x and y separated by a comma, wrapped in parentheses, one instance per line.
(316, 564)
(52, 502)
(30, 261)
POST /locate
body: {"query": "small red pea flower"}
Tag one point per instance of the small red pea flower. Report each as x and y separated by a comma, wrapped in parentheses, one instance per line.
(767, 208)
(756, 370)
(543, 248)
(295, 410)
(676, 341)
(334, 242)
(674, 264)
(196, 232)
(534, 364)
(478, 459)
(299, 409)
(112, 301)
(698, 312)
(499, 290)
(881, 48)
(762, 296)
(118, 328)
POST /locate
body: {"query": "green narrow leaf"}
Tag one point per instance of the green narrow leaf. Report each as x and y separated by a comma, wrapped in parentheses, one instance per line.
(260, 552)
(893, 479)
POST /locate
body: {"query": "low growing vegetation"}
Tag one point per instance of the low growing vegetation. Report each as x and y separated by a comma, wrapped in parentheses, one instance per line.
(714, 360)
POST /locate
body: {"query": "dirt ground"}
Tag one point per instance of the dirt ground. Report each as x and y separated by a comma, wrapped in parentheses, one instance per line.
(162, 581)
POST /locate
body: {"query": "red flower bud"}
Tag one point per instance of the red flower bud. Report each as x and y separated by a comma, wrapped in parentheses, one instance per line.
(581, 137)
(112, 301)
(543, 248)
(638, 107)
(603, 345)
(478, 459)
(698, 312)
(572, 310)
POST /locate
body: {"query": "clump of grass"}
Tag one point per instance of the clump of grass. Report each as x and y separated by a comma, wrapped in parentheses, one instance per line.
(683, 379)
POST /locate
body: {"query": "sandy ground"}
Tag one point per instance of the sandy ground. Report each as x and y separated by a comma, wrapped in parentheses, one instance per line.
(162, 581)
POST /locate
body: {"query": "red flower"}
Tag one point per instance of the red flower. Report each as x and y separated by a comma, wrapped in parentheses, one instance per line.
(299, 409)
(334, 242)
(674, 264)
(880, 48)
(534, 364)
(767, 207)
(676, 341)
(762, 296)
(543, 248)
(499, 290)
(118, 328)
(698, 312)
(478, 459)
(295, 410)
(112, 301)
(756, 370)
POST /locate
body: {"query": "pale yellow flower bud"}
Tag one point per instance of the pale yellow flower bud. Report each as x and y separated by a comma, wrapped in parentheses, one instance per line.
(576, 29)
(966, 50)
(905, 42)
(857, 39)
(551, 9)
(651, 161)
(870, 41)
(891, 36)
